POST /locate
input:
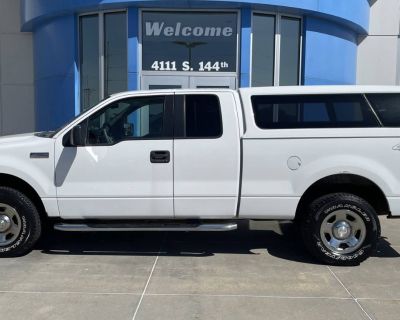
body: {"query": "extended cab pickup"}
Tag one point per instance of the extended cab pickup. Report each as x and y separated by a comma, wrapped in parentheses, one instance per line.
(200, 160)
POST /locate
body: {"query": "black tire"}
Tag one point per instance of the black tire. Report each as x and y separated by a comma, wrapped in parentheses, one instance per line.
(316, 239)
(29, 219)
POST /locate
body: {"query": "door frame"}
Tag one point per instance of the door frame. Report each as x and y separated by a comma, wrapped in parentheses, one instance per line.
(186, 82)
(217, 82)
(182, 82)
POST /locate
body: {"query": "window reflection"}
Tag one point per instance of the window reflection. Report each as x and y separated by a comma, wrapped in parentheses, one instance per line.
(270, 56)
(134, 118)
(312, 111)
(93, 86)
(115, 53)
(89, 60)
(263, 50)
(290, 52)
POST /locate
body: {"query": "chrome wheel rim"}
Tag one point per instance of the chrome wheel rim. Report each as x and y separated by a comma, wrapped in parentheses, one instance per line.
(10, 224)
(343, 231)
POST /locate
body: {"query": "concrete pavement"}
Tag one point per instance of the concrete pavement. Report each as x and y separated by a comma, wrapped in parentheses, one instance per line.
(258, 274)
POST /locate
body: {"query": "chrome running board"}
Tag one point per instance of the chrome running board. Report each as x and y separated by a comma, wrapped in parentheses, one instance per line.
(230, 226)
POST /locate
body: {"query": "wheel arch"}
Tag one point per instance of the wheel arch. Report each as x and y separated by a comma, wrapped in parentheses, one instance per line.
(349, 183)
(11, 181)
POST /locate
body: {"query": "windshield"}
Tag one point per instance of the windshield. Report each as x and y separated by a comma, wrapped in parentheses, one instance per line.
(51, 134)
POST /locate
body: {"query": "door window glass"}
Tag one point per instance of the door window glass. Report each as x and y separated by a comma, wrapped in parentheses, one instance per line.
(202, 116)
(134, 118)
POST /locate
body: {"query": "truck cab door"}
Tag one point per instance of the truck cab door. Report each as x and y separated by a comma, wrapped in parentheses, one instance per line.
(125, 167)
(206, 155)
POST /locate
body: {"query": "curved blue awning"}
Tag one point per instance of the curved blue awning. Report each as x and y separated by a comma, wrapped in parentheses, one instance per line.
(352, 13)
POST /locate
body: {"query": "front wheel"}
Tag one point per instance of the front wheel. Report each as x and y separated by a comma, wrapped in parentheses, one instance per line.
(20, 225)
(340, 229)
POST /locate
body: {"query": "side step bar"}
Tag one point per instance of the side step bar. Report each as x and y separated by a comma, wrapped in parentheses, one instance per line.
(230, 226)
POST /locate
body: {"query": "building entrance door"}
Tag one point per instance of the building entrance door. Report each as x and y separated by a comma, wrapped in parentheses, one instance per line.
(212, 82)
(154, 82)
(189, 49)
(164, 82)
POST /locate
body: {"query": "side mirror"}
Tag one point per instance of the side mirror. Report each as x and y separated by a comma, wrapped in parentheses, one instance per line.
(77, 136)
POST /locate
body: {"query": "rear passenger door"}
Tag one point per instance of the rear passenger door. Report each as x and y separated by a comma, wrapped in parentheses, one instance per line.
(206, 156)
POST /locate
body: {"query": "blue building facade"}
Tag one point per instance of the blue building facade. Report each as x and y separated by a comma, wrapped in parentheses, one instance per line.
(272, 42)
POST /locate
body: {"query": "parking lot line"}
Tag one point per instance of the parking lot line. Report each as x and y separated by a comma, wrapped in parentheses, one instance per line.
(188, 294)
(149, 278)
(145, 288)
(245, 296)
(380, 299)
(71, 292)
(348, 291)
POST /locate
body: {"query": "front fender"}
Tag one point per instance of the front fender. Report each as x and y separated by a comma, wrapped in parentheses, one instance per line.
(39, 180)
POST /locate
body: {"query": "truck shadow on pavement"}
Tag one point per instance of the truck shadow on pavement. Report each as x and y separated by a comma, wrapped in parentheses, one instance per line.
(284, 243)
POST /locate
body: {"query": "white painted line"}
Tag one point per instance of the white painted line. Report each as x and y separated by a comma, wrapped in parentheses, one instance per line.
(70, 292)
(348, 291)
(380, 299)
(148, 280)
(145, 288)
(341, 283)
(198, 294)
(244, 296)
(184, 294)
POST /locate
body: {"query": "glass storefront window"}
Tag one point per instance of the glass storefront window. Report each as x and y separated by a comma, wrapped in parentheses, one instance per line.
(102, 35)
(115, 53)
(263, 50)
(189, 41)
(290, 51)
(276, 48)
(89, 60)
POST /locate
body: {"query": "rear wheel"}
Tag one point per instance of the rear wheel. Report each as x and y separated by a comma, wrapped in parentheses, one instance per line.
(20, 225)
(340, 229)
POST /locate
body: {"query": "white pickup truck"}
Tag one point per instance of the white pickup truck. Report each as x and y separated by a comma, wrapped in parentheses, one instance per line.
(201, 160)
